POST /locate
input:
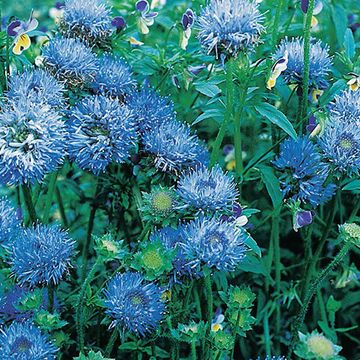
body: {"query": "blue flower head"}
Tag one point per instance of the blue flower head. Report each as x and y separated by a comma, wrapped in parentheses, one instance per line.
(114, 77)
(32, 142)
(101, 131)
(38, 86)
(70, 61)
(214, 243)
(208, 190)
(304, 173)
(340, 144)
(133, 303)
(9, 221)
(174, 148)
(151, 109)
(227, 27)
(24, 341)
(88, 20)
(170, 239)
(41, 255)
(320, 62)
(347, 107)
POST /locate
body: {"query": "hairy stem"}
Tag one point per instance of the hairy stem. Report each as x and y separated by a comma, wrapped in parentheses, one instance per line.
(29, 203)
(306, 75)
(312, 290)
(228, 113)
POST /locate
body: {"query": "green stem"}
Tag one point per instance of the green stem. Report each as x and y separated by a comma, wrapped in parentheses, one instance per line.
(209, 309)
(322, 307)
(275, 32)
(51, 292)
(306, 75)
(311, 291)
(236, 333)
(193, 350)
(111, 343)
(277, 257)
(61, 207)
(49, 196)
(80, 305)
(86, 247)
(237, 136)
(29, 203)
(267, 338)
(228, 112)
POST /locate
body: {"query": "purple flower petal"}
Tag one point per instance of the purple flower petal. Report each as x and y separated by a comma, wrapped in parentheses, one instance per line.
(150, 15)
(185, 21)
(304, 5)
(195, 70)
(14, 27)
(228, 148)
(312, 124)
(59, 5)
(237, 210)
(118, 22)
(142, 6)
(303, 218)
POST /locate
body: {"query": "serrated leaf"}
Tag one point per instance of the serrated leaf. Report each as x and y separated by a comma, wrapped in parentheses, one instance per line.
(271, 113)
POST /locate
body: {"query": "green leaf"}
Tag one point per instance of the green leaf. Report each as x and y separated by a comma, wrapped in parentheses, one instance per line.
(349, 44)
(329, 94)
(253, 265)
(276, 117)
(272, 185)
(208, 89)
(210, 114)
(353, 185)
(251, 243)
(339, 17)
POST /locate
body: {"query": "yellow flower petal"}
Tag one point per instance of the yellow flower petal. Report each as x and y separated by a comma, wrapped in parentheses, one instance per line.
(22, 43)
(134, 41)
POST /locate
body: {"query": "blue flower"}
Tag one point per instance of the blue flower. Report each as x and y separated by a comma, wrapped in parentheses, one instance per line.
(227, 27)
(173, 147)
(347, 107)
(24, 341)
(150, 108)
(101, 131)
(32, 142)
(170, 239)
(340, 144)
(38, 86)
(208, 190)
(88, 20)
(213, 243)
(114, 77)
(70, 60)
(320, 62)
(133, 303)
(304, 173)
(41, 255)
(9, 221)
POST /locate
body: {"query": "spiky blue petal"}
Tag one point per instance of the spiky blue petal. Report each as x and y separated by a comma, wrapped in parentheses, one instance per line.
(32, 142)
(347, 107)
(114, 77)
(24, 341)
(173, 147)
(151, 109)
(340, 144)
(70, 60)
(304, 172)
(41, 255)
(101, 131)
(213, 243)
(88, 20)
(9, 221)
(229, 26)
(133, 303)
(208, 190)
(320, 62)
(38, 86)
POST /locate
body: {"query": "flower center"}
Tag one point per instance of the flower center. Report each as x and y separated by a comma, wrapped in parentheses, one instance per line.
(162, 201)
(321, 346)
(21, 345)
(137, 298)
(152, 260)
